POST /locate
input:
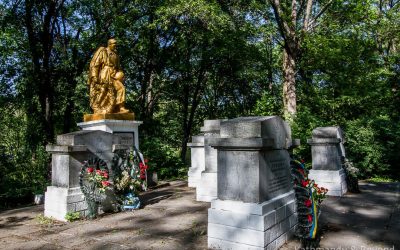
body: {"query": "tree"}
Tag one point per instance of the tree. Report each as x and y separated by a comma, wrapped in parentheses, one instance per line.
(295, 19)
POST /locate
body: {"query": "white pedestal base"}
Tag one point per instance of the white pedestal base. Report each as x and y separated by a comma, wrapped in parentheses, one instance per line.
(333, 180)
(114, 126)
(207, 187)
(239, 225)
(59, 201)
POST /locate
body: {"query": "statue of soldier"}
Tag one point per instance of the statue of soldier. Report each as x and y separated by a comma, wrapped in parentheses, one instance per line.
(107, 92)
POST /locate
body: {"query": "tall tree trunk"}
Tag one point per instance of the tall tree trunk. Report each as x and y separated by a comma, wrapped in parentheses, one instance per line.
(289, 84)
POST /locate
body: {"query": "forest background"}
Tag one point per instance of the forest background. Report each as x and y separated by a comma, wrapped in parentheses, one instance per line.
(314, 62)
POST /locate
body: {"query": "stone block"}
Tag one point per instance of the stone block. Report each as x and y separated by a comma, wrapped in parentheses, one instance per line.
(212, 126)
(207, 190)
(222, 244)
(255, 196)
(328, 132)
(327, 148)
(60, 200)
(271, 127)
(280, 213)
(293, 220)
(326, 156)
(254, 208)
(210, 157)
(114, 126)
(253, 176)
(197, 160)
(334, 181)
(238, 227)
(238, 235)
(242, 220)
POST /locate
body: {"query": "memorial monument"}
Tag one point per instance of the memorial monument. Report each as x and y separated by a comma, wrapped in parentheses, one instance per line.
(206, 190)
(109, 128)
(255, 205)
(328, 156)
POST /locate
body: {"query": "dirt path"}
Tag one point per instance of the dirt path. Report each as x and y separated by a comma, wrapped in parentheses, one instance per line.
(172, 219)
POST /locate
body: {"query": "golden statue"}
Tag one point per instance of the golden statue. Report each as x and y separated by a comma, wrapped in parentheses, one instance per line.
(107, 91)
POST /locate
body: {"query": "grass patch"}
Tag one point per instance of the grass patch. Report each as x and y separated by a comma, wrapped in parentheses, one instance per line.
(381, 179)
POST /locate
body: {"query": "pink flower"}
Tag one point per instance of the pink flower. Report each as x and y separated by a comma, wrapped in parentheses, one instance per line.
(105, 183)
(90, 170)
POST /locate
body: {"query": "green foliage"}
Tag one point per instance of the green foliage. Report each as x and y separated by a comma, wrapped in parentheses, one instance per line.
(45, 221)
(371, 144)
(72, 216)
(24, 171)
(186, 61)
(163, 159)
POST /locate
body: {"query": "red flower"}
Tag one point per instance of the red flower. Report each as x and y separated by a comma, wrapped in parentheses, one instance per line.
(302, 161)
(142, 166)
(309, 217)
(315, 185)
(98, 171)
(304, 183)
(105, 183)
(301, 171)
(105, 175)
(142, 176)
(307, 203)
(90, 170)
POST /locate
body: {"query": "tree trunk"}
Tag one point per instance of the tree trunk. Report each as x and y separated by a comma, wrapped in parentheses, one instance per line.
(289, 84)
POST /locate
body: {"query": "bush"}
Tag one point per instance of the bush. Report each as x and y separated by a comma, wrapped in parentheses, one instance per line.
(24, 174)
(371, 145)
(163, 158)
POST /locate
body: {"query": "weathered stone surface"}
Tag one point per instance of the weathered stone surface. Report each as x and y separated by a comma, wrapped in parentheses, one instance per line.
(328, 154)
(334, 181)
(212, 126)
(233, 226)
(114, 126)
(255, 205)
(253, 176)
(197, 160)
(207, 188)
(207, 185)
(271, 127)
(327, 148)
(328, 132)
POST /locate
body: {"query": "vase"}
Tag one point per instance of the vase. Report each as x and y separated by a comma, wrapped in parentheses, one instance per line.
(131, 202)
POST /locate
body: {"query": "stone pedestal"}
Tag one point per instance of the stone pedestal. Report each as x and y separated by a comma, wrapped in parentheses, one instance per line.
(72, 149)
(114, 126)
(207, 188)
(328, 154)
(197, 160)
(255, 208)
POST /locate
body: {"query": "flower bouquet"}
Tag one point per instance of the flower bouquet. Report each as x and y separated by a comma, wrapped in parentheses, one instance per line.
(130, 177)
(94, 181)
